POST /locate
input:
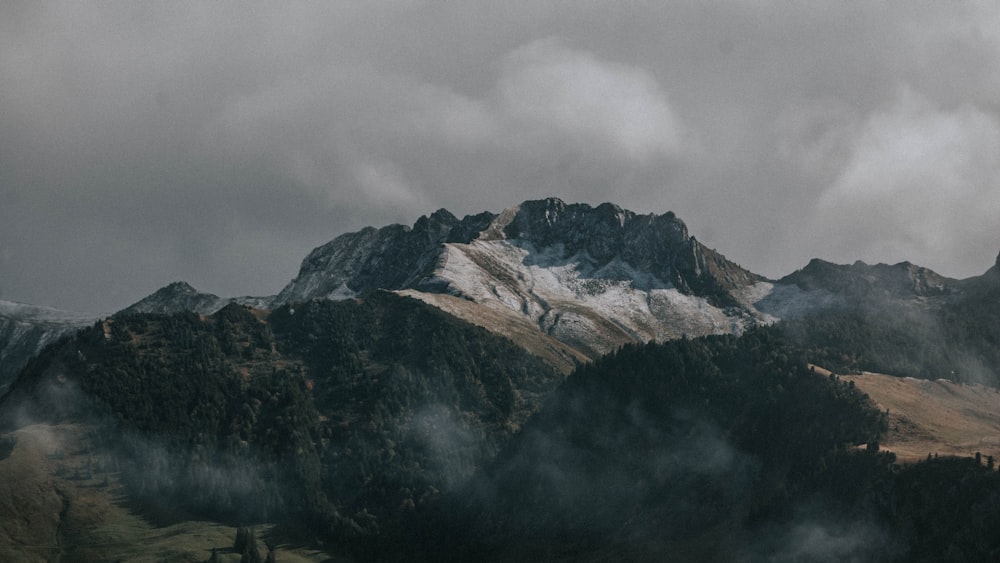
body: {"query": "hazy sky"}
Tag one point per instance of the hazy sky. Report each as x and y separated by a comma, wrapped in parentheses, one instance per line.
(218, 143)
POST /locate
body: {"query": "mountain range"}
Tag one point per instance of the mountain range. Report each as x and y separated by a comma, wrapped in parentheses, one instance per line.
(590, 278)
(568, 282)
(551, 381)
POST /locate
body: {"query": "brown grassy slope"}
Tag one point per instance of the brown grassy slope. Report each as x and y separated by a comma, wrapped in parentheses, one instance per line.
(59, 501)
(939, 416)
(30, 506)
(523, 333)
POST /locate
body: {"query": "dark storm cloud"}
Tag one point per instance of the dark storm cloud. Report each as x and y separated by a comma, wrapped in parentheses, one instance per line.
(219, 142)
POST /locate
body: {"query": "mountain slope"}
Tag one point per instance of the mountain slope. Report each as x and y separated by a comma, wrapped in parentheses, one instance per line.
(393, 424)
(688, 450)
(26, 329)
(593, 278)
(62, 499)
(339, 417)
(901, 319)
(571, 282)
(881, 281)
(934, 416)
(179, 297)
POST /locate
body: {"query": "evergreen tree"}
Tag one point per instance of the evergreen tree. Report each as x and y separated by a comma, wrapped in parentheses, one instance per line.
(246, 545)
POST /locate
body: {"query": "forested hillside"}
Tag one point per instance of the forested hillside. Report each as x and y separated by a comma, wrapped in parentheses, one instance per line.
(401, 433)
(661, 448)
(715, 449)
(960, 342)
(337, 417)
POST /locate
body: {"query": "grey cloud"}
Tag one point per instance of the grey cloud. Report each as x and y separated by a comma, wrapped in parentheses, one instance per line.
(817, 535)
(548, 85)
(921, 180)
(218, 143)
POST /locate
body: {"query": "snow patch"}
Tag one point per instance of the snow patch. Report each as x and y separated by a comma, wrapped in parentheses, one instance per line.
(342, 293)
(38, 314)
(578, 300)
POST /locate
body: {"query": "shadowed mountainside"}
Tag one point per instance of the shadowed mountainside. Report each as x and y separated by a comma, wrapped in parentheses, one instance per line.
(402, 430)
(25, 330)
(591, 277)
(339, 416)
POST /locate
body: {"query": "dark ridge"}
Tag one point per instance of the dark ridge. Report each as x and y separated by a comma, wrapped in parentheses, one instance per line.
(876, 281)
(339, 418)
(174, 298)
(648, 452)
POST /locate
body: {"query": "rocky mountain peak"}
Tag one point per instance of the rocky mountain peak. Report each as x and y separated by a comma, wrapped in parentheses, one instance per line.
(437, 225)
(177, 288)
(604, 232)
(177, 297)
(398, 257)
(571, 269)
(901, 280)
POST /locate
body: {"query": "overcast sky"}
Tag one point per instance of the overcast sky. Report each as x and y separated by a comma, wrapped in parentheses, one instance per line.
(218, 143)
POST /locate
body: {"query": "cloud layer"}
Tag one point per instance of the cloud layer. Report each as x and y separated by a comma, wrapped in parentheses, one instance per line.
(218, 143)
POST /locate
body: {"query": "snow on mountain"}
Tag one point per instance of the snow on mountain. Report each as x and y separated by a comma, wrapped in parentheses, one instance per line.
(180, 296)
(39, 315)
(592, 307)
(566, 281)
(590, 277)
(393, 257)
(26, 329)
(570, 279)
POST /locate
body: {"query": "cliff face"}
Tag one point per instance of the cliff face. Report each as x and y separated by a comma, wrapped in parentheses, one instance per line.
(571, 281)
(393, 257)
(592, 277)
(897, 281)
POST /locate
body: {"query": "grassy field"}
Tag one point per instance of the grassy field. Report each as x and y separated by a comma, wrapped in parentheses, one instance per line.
(935, 416)
(60, 502)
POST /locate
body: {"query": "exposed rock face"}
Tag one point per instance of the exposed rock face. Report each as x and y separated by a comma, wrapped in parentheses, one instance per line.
(655, 244)
(399, 257)
(180, 296)
(548, 275)
(175, 298)
(860, 280)
(393, 257)
(26, 329)
(994, 272)
(593, 277)
(985, 286)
